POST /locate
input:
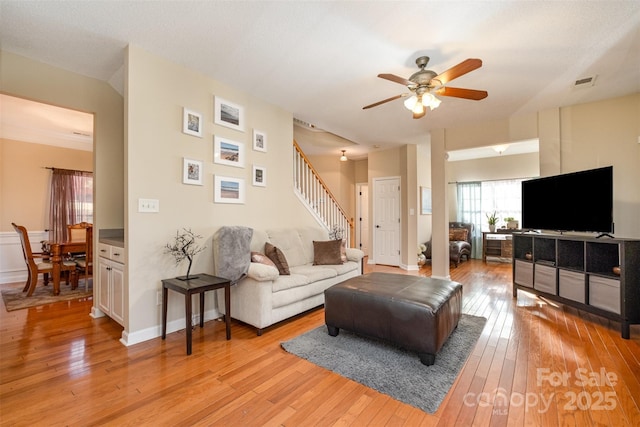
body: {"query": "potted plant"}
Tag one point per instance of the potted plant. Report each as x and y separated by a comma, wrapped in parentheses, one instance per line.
(184, 246)
(512, 224)
(492, 220)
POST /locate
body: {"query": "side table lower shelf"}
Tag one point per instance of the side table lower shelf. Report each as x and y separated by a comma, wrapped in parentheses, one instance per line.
(200, 284)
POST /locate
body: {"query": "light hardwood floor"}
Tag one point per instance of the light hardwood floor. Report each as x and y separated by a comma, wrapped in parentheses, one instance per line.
(536, 363)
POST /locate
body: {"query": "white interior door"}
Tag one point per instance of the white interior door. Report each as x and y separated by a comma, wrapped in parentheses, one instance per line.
(386, 221)
(362, 218)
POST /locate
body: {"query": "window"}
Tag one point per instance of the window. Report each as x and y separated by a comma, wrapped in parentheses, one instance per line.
(477, 199)
(71, 201)
(503, 197)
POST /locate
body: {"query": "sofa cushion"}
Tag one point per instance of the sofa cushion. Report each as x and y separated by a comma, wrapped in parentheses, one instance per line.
(289, 282)
(307, 236)
(289, 242)
(262, 272)
(344, 268)
(278, 258)
(458, 234)
(327, 252)
(314, 272)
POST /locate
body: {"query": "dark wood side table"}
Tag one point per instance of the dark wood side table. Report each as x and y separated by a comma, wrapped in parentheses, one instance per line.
(202, 284)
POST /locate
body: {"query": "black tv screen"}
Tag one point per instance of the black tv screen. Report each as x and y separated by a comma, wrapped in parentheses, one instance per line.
(578, 201)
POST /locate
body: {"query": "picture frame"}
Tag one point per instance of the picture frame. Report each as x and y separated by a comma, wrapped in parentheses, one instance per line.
(228, 152)
(191, 171)
(228, 190)
(226, 113)
(191, 122)
(425, 201)
(259, 141)
(259, 176)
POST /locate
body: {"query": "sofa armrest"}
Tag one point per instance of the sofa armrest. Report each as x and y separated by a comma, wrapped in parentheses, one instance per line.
(354, 254)
(261, 272)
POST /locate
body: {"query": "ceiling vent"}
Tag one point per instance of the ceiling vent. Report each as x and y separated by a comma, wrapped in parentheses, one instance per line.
(585, 82)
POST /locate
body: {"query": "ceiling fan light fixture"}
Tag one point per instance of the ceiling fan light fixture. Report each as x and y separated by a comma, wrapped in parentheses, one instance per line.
(343, 158)
(429, 100)
(418, 108)
(410, 102)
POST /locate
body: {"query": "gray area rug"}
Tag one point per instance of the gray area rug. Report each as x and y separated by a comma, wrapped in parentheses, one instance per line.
(387, 368)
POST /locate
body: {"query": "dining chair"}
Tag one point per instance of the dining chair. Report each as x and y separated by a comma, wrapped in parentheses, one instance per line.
(85, 264)
(77, 232)
(36, 263)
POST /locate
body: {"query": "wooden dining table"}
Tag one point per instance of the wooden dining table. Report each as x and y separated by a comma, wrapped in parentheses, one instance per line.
(57, 251)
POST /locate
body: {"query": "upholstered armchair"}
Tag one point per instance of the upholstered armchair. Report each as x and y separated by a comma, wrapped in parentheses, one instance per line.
(460, 238)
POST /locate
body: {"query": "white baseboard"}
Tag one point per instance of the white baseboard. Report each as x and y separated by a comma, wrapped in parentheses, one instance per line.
(172, 326)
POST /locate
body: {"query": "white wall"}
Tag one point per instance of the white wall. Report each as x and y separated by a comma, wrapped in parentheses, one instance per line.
(489, 169)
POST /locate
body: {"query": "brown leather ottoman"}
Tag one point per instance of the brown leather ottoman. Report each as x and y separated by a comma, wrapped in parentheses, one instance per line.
(415, 313)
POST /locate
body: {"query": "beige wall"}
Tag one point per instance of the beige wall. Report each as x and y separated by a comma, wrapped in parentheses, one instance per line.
(23, 77)
(362, 171)
(607, 133)
(156, 92)
(340, 178)
(25, 183)
(424, 180)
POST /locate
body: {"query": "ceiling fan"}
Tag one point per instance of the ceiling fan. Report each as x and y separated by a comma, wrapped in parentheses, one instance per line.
(424, 84)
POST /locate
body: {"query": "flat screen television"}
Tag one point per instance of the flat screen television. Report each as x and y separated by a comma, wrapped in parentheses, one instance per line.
(578, 201)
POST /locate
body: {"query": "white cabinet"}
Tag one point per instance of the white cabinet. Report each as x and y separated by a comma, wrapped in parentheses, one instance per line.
(111, 281)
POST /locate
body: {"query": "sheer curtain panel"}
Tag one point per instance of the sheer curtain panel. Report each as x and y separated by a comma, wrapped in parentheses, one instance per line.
(71, 201)
(470, 210)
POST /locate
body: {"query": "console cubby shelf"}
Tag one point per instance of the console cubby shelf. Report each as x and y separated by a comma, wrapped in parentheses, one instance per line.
(579, 271)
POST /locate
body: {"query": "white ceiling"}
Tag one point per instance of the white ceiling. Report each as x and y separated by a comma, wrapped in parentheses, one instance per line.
(34, 122)
(320, 59)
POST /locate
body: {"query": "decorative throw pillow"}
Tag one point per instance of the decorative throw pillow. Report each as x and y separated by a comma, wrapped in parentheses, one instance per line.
(261, 259)
(327, 252)
(458, 234)
(343, 251)
(278, 258)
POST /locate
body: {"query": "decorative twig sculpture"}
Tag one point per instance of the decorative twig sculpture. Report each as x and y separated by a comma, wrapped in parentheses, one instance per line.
(184, 246)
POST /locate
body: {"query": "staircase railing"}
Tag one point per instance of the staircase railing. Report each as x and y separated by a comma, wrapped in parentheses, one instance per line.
(317, 197)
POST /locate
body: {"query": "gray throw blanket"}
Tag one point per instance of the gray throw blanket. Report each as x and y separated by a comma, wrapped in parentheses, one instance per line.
(232, 252)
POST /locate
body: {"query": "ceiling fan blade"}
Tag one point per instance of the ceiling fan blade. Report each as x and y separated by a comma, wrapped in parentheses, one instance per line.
(393, 98)
(396, 79)
(458, 70)
(457, 92)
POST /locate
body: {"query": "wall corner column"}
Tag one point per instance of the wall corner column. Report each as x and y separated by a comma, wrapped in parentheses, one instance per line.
(440, 206)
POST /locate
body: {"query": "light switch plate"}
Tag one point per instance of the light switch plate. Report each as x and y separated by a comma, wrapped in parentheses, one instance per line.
(148, 205)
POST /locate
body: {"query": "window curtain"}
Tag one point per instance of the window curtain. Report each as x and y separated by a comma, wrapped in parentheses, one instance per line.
(470, 210)
(71, 201)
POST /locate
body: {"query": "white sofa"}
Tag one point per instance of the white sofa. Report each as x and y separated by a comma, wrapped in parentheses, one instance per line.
(264, 297)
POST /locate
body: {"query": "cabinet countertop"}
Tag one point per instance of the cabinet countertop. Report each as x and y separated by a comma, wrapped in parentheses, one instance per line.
(113, 241)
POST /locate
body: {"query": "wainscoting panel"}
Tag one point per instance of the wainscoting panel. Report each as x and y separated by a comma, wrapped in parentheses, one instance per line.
(12, 266)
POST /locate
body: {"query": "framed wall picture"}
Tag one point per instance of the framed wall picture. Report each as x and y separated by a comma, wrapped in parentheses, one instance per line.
(191, 172)
(228, 190)
(259, 140)
(259, 176)
(191, 122)
(228, 114)
(228, 152)
(425, 201)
